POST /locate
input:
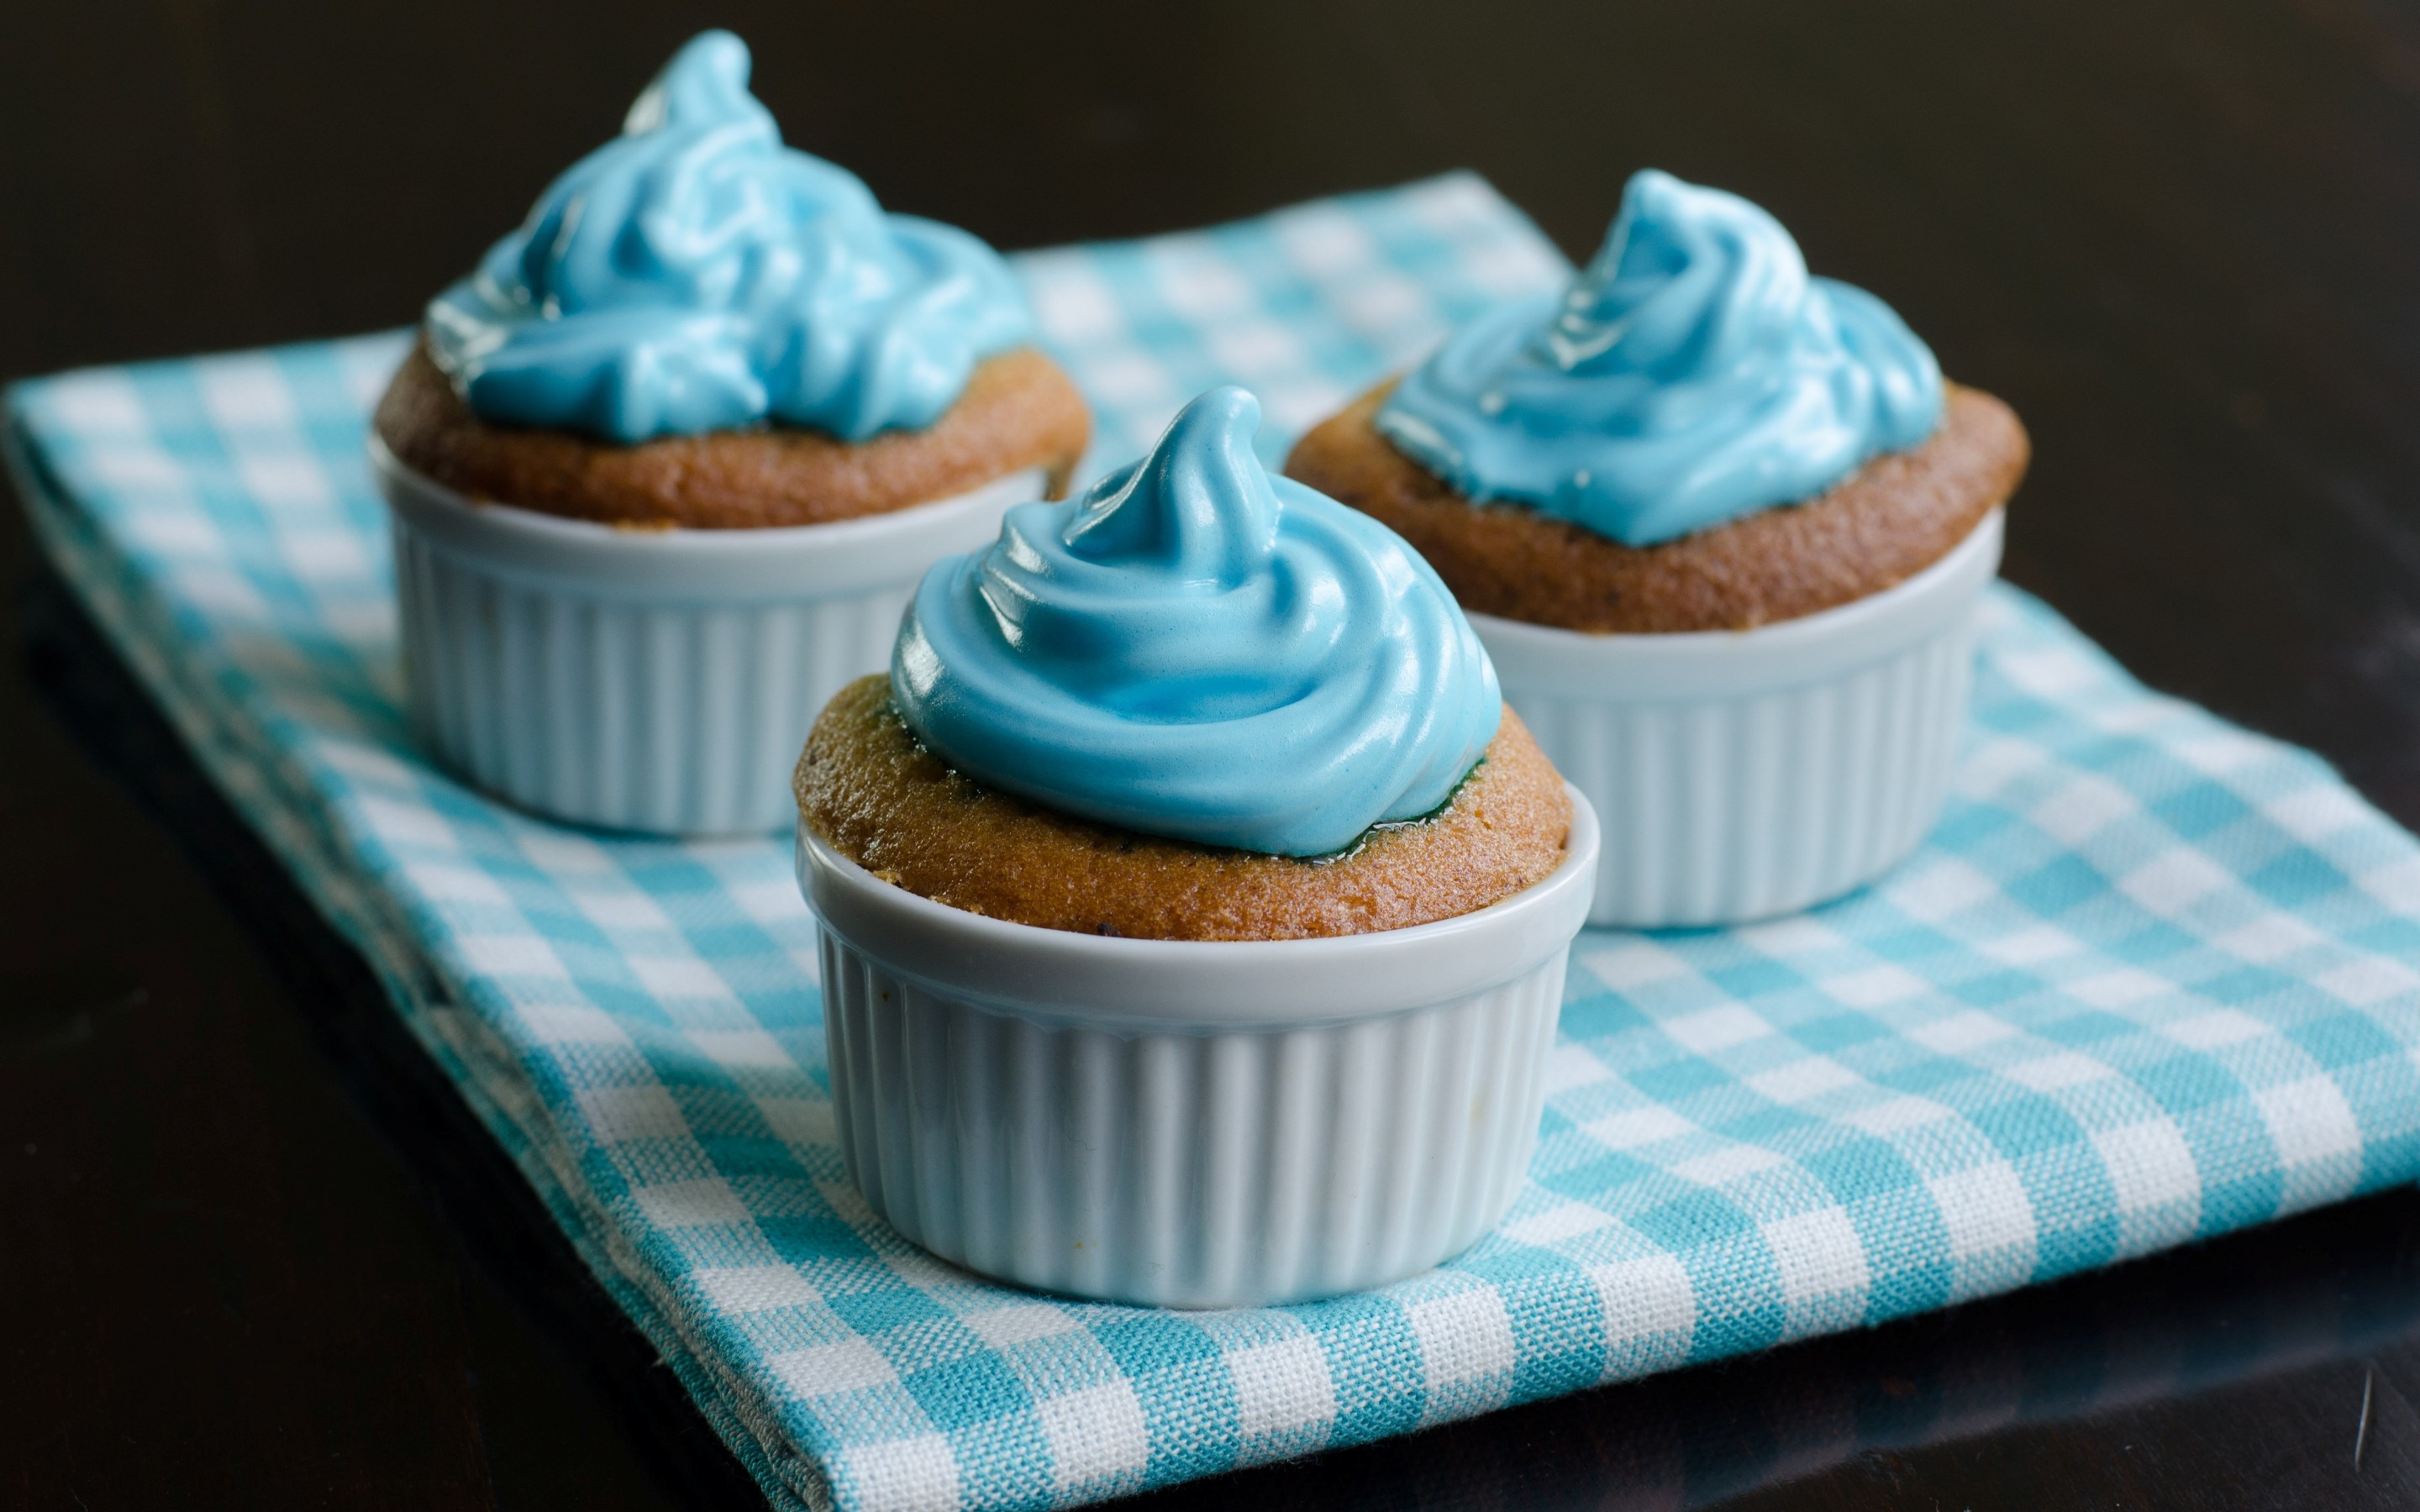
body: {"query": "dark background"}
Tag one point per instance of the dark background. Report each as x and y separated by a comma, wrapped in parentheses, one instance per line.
(251, 1252)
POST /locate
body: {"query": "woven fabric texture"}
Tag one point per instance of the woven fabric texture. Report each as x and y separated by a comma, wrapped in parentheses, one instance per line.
(2151, 979)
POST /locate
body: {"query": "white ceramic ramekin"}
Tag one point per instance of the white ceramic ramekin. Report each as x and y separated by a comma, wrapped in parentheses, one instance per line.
(1745, 774)
(1190, 1123)
(658, 681)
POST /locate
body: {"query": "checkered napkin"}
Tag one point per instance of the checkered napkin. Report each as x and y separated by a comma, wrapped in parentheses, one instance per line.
(2151, 978)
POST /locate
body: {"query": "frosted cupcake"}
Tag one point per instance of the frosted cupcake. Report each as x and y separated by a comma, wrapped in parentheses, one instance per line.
(666, 465)
(1723, 527)
(1189, 816)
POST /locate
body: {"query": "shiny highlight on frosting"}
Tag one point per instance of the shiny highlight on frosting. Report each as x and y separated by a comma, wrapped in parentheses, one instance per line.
(1693, 372)
(1197, 649)
(694, 275)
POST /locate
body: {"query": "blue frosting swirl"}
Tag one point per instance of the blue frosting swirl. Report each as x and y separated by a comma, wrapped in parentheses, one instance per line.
(695, 274)
(1692, 374)
(1197, 649)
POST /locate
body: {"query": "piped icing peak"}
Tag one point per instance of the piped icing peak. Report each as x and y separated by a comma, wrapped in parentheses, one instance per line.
(1197, 649)
(1693, 372)
(694, 275)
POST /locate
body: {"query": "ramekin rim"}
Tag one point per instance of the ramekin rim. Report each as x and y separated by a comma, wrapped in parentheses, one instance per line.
(538, 526)
(1534, 909)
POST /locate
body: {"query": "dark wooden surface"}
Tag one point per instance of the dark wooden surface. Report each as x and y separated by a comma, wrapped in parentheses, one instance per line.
(253, 1254)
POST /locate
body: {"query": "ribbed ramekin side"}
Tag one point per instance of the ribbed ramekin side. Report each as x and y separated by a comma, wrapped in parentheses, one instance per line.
(668, 716)
(1191, 1169)
(1735, 807)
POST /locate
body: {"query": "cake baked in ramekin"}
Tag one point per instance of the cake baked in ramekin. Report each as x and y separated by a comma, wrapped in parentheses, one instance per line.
(1193, 913)
(1723, 527)
(882, 798)
(664, 469)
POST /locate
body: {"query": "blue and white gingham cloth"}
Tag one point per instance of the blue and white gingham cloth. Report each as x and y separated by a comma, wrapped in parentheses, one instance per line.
(2151, 980)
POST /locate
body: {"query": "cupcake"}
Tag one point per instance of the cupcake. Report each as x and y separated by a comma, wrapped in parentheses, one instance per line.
(1193, 911)
(664, 469)
(1722, 527)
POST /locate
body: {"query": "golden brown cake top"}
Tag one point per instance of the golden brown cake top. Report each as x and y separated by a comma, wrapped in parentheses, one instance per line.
(1019, 411)
(1883, 523)
(877, 796)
